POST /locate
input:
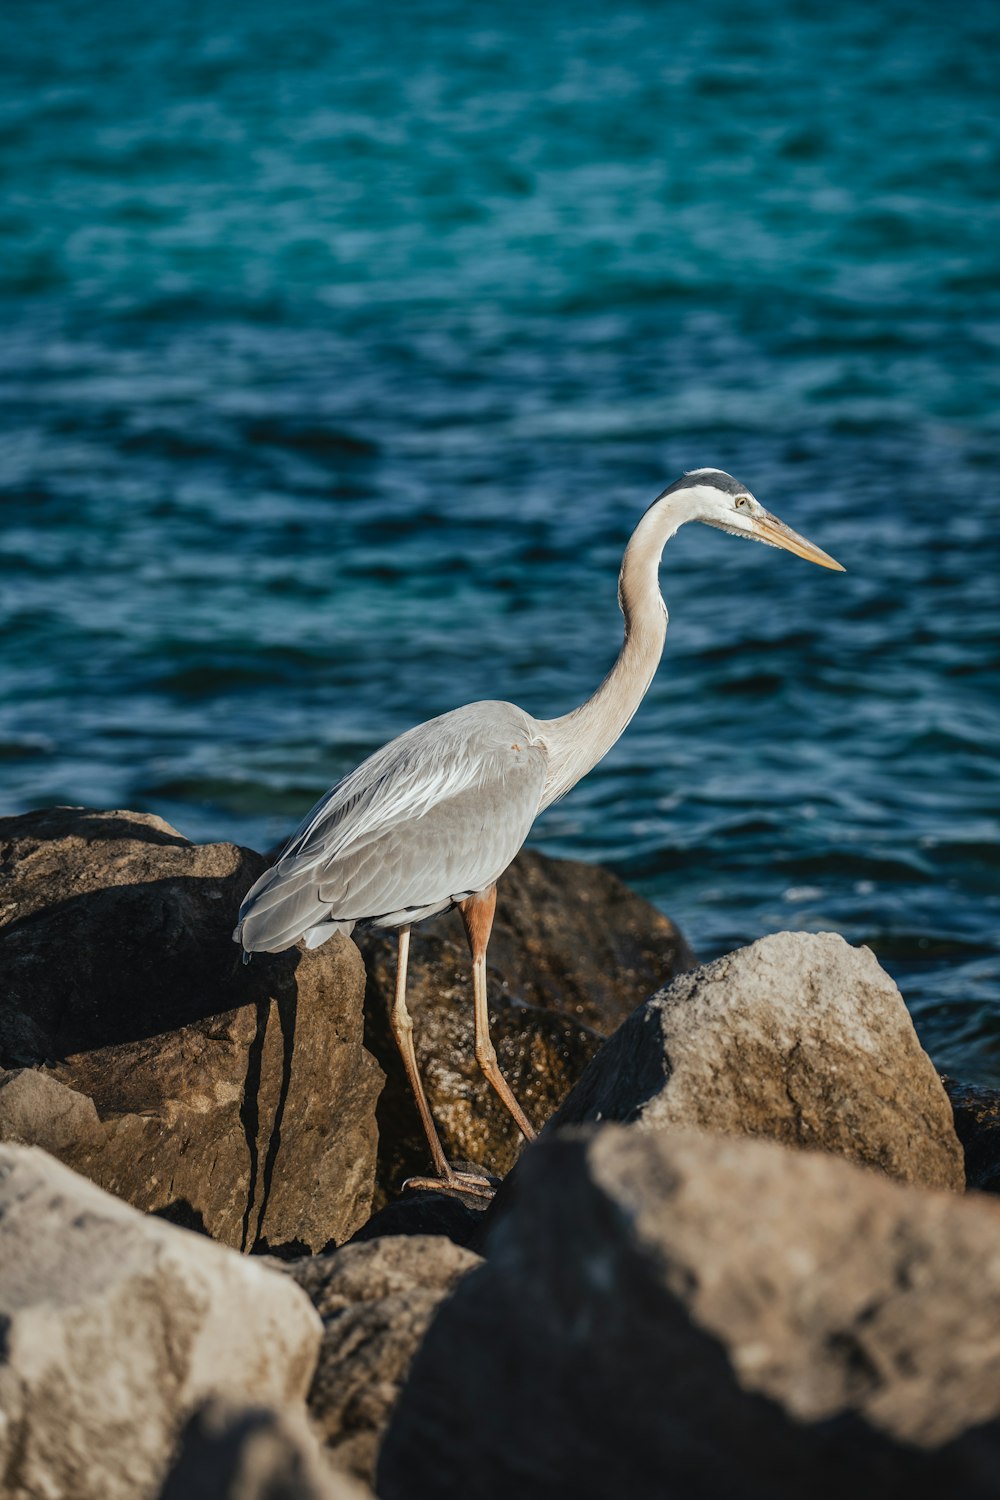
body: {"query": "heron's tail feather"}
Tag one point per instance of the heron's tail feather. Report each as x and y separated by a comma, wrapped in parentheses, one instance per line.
(279, 909)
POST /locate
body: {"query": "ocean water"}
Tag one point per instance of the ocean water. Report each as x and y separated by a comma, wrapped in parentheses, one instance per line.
(342, 346)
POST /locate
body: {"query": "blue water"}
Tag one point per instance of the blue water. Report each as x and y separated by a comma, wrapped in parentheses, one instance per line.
(343, 345)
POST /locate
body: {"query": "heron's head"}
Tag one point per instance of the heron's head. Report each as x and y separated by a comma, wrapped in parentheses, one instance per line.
(719, 500)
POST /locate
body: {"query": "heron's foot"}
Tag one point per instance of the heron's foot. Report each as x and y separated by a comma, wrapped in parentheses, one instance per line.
(463, 1184)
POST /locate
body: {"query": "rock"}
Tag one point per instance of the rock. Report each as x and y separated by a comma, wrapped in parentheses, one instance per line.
(115, 1326)
(376, 1301)
(798, 1037)
(573, 951)
(37, 1110)
(251, 1453)
(977, 1122)
(669, 1313)
(237, 1100)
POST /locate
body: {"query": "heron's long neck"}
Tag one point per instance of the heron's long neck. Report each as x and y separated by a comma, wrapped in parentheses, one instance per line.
(578, 740)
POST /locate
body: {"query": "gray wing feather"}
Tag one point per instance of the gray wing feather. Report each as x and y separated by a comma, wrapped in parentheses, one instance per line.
(436, 814)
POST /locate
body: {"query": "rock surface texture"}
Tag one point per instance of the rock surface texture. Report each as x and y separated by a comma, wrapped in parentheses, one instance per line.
(799, 1038)
(376, 1300)
(237, 1100)
(229, 1452)
(573, 952)
(115, 1326)
(664, 1313)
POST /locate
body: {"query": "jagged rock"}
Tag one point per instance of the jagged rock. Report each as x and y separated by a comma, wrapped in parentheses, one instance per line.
(977, 1123)
(250, 1453)
(671, 1313)
(115, 1326)
(573, 951)
(376, 1301)
(798, 1037)
(237, 1100)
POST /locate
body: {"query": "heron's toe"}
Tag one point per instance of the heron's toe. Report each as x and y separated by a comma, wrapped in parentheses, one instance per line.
(478, 1185)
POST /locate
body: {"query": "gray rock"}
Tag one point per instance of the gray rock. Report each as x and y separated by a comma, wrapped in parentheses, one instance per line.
(115, 1326)
(573, 951)
(376, 1300)
(236, 1100)
(799, 1038)
(665, 1313)
(251, 1453)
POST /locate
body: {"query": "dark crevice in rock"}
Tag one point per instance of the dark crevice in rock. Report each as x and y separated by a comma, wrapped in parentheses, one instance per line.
(287, 1010)
(249, 1114)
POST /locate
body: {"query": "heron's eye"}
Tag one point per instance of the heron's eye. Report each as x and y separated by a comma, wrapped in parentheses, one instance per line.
(740, 501)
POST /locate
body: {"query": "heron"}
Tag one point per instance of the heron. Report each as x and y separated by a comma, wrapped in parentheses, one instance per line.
(433, 819)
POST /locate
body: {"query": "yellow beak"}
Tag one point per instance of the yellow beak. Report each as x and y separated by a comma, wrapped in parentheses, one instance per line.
(769, 529)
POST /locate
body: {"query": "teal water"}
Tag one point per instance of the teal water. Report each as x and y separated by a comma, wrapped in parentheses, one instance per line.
(343, 346)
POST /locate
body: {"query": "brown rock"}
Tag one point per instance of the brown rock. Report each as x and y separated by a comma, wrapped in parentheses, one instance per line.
(228, 1452)
(238, 1100)
(665, 1313)
(573, 951)
(798, 1037)
(977, 1123)
(572, 937)
(115, 1325)
(376, 1301)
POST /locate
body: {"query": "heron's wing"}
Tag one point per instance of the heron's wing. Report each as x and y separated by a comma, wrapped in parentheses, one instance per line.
(436, 814)
(461, 843)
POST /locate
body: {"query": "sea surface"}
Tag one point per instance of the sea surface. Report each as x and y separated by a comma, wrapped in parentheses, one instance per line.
(341, 347)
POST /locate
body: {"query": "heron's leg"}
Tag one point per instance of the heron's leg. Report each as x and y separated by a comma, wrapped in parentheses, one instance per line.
(477, 914)
(402, 1030)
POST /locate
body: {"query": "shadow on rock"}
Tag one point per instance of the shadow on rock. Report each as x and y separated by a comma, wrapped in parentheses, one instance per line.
(191, 1074)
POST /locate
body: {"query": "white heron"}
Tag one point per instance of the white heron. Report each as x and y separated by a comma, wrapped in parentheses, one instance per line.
(433, 819)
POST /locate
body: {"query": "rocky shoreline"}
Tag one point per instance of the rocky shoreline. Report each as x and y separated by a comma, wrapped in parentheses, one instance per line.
(739, 1260)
